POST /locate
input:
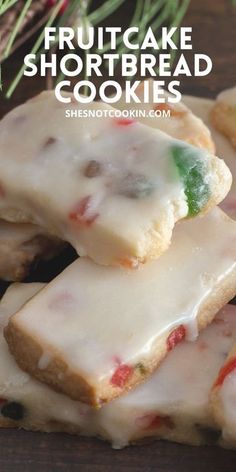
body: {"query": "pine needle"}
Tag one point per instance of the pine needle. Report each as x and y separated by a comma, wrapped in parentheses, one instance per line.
(104, 11)
(6, 5)
(16, 28)
(34, 50)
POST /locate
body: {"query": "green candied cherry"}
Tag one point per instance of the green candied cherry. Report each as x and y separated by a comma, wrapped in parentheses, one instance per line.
(193, 171)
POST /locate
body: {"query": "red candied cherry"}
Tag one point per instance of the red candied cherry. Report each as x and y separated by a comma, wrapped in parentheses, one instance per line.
(225, 371)
(52, 3)
(175, 337)
(121, 375)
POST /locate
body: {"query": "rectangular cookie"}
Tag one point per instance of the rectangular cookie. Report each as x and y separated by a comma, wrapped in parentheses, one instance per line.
(21, 246)
(172, 404)
(87, 333)
(223, 400)
(203, 108)
(113, 188)
(25, 402)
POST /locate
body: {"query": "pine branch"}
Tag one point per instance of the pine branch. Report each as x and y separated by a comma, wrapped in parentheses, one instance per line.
(20, 19)
(9, 19)
(53, 15)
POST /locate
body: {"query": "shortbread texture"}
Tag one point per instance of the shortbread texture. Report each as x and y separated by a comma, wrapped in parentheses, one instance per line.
(113, 188)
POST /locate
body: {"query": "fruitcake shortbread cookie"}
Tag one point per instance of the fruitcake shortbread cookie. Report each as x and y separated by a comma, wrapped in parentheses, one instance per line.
(172, 404)
(89, 330)
(224, 400)
(182, 123)
(202, 107)
(25, 402)
(112, 188)
(21, 246)
(223, 114)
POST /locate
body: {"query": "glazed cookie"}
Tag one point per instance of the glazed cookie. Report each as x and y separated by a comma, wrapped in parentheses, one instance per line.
(223, 114)
(172, 404)
(112, 188)
(202, 107)
(89, 331)
(182, 123)
(21, 246)
(24, 402)
(224, 400)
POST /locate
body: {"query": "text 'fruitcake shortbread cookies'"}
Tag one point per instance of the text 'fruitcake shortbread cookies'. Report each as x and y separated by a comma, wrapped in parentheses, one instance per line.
(224, 400)
(202, 107)
(112, 188)
(172, 404)
(25, 402)
(21, 246)
(223, 114)
(181, 124)
(89, 331)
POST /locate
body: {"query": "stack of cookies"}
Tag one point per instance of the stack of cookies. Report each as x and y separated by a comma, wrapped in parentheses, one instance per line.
(128, 341)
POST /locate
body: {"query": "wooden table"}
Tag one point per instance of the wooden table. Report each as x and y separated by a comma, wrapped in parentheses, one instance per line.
(214, 33)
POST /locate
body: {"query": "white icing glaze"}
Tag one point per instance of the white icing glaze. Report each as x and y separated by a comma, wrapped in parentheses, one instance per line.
(195, 126)
(40, 402)
(179, 389)
(202, 107)
(93, 315)
(99, 216)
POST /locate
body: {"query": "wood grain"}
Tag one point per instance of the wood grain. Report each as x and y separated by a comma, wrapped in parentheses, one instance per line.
(214, 31)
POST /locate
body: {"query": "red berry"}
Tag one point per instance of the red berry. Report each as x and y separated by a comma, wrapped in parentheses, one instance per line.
(177, 335)
(226, 370)
(52, 3)
(121, 375)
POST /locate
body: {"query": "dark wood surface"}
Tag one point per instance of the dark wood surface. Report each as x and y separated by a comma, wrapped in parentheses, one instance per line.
(214, 33)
